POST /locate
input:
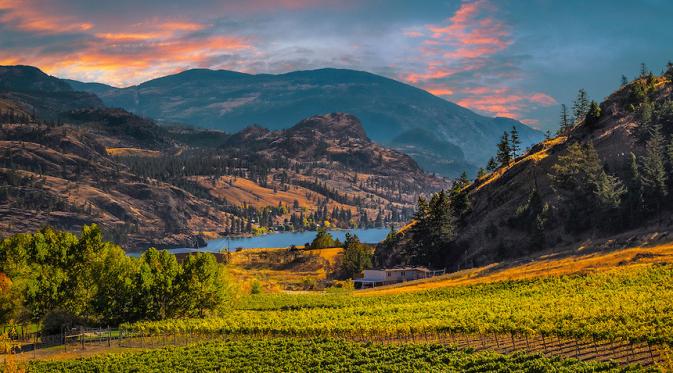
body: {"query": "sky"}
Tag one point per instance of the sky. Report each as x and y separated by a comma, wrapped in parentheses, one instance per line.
(515, 58)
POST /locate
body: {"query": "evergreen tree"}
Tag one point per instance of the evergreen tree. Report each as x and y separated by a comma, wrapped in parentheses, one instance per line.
(625, 80)
(594, 114)
(566, 123)
(504, 154)
(481, 173)
(491, 165)
(634, 203)
(515, 142)
(356, 257)
(643, 70)
(653, 171)
(580, 105)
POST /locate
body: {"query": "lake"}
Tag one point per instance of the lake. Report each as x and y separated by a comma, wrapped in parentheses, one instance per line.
(286, 239)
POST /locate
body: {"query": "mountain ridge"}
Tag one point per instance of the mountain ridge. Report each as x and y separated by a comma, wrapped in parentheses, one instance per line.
(230, 101)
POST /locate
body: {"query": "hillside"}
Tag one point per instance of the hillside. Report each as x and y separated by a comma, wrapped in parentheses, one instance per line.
(583, 185)
(38, 94)
(151, 185)
(231, 101)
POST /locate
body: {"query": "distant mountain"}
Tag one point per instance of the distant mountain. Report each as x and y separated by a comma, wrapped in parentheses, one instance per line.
(29, 90)
(393, 113)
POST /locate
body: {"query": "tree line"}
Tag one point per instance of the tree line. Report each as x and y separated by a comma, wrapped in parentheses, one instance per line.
(62, 279)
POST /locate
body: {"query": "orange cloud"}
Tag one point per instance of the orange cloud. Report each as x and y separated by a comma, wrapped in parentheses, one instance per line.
(503, 102)
(459, 55)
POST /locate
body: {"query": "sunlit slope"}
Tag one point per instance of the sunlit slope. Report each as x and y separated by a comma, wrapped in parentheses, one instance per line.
(575, 262)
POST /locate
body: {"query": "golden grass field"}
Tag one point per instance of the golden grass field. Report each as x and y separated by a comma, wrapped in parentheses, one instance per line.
(572, 262)
(125, 152)
(276, 270)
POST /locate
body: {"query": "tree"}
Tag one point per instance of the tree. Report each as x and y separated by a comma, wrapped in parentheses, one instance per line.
(157, 284)
(580, 105)
(566, 123)
(594, 114)
(515, 142)
(584, 187)
(653, 171)
(481, 173)
(669, 70)
(634, 203)
(356, 258)
(504, 154)
(491, 165)
(643, 70)
(625, 80)
(201, 287)
(323, 239)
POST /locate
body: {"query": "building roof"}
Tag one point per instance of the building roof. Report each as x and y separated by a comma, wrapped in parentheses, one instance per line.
(396, 269)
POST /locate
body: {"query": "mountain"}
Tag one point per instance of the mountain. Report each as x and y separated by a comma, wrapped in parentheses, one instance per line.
(149, 185)
(389, 109)
(581, 189)
(28, 90)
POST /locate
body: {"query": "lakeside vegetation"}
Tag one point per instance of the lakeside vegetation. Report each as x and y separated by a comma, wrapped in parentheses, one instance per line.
(62, 280)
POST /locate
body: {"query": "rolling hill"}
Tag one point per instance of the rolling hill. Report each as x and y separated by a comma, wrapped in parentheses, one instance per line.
(388, 109)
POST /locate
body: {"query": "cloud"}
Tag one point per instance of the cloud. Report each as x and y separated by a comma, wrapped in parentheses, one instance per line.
(465, 59)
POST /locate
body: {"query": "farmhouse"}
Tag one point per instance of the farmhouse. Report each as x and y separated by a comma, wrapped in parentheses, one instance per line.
(386, 276)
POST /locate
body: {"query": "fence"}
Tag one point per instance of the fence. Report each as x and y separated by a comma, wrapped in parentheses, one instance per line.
(620, 351)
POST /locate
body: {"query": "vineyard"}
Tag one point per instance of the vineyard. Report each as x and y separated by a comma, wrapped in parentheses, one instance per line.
(298, 355)
(633, 304)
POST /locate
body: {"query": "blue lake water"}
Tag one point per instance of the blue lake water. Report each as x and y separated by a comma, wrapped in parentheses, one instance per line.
(286, 239)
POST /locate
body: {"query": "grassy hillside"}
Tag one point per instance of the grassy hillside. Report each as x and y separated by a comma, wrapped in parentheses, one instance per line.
(277, 269)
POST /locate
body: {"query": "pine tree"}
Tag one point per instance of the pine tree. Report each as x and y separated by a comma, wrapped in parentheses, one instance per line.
(634, 198)
(491, 165)
(581, 105)
(594, 114)
(566, 123)
(625, 80)
(515, 142)
(653, 171)
(504, 155)
(481, 173)
(643, 70)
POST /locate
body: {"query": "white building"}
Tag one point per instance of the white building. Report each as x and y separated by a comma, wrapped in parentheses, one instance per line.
(386, 276)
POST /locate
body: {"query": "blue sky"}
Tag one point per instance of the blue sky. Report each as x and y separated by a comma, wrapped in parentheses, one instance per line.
(520, 59)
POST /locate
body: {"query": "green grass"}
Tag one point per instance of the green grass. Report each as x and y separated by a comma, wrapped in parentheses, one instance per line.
(301, 355)
(634, 304)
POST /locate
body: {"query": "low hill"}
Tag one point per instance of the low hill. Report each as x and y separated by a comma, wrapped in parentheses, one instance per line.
(608, 177)
(231, 101)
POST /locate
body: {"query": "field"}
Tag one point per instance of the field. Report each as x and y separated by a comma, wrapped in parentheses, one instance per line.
(594, 305)
(278, 269)
(630, 304)
(299, 355)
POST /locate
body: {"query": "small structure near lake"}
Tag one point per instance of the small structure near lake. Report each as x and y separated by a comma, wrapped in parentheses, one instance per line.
(387, 276)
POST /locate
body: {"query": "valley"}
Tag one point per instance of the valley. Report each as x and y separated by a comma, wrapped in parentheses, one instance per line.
(151, 186)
